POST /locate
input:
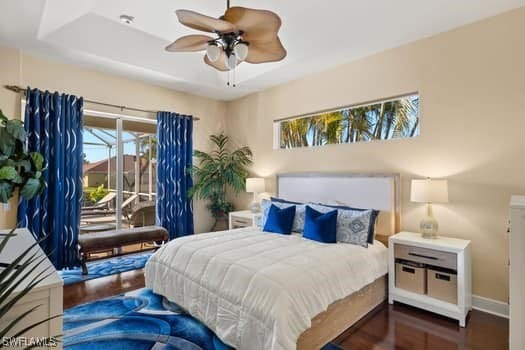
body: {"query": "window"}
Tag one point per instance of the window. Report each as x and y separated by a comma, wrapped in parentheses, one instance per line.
(382, 120)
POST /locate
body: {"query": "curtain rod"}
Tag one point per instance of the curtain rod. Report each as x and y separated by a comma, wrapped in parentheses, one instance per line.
(20, 90)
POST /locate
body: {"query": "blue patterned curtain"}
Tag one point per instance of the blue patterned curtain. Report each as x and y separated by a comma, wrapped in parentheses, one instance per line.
(174, 157)
(53, 123)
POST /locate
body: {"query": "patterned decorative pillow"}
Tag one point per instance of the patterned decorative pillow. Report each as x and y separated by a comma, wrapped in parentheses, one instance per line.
(298, 221)
(352, 226)
(375, 213)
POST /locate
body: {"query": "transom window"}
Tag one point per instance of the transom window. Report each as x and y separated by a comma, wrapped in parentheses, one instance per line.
(381, 120)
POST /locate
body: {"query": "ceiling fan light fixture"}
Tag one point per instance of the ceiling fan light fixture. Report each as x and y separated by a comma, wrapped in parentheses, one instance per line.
(227, 48)
(241, 50)
(230, 61)
(213, 51)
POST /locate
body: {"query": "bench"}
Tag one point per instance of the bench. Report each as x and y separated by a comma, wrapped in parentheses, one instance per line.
(110, 240)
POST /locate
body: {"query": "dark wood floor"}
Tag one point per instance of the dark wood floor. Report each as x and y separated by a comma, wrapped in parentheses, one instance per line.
(398, 327)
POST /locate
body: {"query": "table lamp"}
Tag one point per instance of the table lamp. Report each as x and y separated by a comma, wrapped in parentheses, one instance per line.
(255, 185)
(429, 191)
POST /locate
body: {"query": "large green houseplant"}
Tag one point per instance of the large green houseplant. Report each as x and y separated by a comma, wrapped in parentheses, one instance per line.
(20, 171)
(218, 171)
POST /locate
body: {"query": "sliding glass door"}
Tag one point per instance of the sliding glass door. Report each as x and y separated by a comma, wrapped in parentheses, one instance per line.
(119, 172)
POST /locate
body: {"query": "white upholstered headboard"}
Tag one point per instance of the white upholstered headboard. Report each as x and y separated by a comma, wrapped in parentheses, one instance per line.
(368, 191)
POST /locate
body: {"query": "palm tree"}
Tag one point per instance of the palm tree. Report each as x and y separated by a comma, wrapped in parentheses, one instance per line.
(218, 171)
(415, 126)
(294, 133)
(330, 127)
(394, 118)
(361, 129)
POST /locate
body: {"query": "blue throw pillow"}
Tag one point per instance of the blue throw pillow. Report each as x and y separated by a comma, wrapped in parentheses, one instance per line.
(280, 220)
(320, 227)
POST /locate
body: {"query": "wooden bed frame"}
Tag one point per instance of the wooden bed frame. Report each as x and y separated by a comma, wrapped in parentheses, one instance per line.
(342, 314)
(377, 191)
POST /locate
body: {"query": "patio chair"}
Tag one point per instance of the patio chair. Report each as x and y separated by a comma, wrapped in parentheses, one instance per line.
(103, 216)
(142, 215)
(103, 212)
(102, 203)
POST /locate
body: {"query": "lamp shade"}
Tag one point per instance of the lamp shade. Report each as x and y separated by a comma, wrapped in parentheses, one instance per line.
(255, 184)
(429, 191)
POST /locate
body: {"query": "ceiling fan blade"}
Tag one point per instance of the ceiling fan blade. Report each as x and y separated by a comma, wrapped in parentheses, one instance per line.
(219, 64)
(267, 51)
(256, 24)
(189, 43)
(204, 23)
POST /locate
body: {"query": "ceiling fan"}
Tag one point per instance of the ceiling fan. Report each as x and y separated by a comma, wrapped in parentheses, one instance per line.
(242, 34)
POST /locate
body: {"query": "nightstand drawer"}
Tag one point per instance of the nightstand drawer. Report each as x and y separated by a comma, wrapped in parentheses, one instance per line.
(241, 222)
(426, 256)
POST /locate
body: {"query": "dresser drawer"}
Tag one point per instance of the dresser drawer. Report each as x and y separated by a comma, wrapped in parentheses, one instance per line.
(426, 256)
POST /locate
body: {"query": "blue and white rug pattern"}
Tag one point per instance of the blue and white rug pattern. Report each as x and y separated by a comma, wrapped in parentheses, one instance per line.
(106, 267)
(138, 320)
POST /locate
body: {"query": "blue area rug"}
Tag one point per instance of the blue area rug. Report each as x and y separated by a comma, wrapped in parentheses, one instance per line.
(106, 267)
(138, 320)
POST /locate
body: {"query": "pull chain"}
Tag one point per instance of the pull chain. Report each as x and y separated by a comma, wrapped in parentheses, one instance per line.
(231, 78)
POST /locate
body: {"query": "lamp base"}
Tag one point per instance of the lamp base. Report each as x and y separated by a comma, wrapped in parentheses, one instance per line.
(429, 227)
(255, 207)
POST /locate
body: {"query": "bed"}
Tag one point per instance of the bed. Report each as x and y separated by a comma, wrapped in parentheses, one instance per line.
(269, 291)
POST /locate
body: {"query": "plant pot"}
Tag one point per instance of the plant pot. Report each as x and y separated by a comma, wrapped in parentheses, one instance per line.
(8, 212)
(221, 223)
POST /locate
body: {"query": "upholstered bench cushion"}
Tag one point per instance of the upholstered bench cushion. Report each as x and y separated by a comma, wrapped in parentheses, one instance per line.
(117, 238)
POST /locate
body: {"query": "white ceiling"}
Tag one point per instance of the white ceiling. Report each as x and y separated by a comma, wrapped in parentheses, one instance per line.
(318, 34)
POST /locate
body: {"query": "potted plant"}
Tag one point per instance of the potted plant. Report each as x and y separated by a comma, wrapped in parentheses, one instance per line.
(17, 279)
(218, 171)
(20, 171)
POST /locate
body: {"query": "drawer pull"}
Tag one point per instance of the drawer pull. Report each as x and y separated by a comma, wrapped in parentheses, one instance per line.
(423, 256)
(408, 269)
(442, 277)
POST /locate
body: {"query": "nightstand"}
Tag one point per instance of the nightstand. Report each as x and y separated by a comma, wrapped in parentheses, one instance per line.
(243, 218)
(431, 274)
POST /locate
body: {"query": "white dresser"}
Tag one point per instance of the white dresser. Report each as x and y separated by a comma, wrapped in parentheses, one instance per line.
(517, 280)
(47, 294)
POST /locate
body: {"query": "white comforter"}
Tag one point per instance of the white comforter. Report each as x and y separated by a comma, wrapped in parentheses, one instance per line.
(260, 290)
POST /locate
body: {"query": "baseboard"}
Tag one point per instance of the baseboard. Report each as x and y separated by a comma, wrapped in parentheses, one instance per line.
(491, 306)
